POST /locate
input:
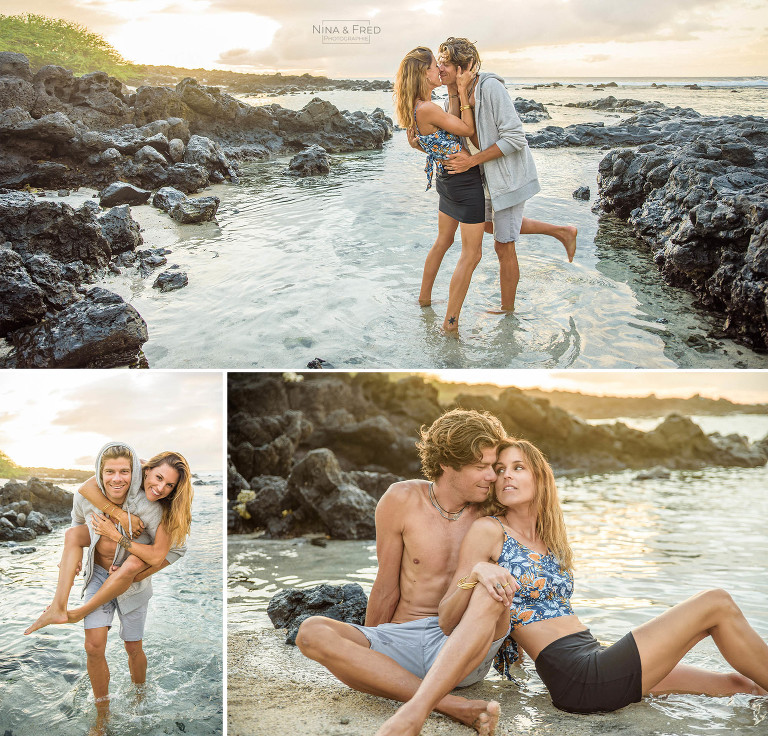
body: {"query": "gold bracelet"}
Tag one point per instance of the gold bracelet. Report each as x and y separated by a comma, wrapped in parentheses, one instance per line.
(465, 107)
(108, 513)
(464, 585)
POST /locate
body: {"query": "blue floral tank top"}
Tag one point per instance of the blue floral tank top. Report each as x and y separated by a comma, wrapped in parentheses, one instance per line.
(545, 592)
(438, 145)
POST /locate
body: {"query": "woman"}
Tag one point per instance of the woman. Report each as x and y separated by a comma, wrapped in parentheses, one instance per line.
(461, 195)
(525, 535)
(164, 479)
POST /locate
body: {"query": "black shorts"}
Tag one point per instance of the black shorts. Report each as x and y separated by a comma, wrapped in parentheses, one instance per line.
(462, 196)
(584, 677)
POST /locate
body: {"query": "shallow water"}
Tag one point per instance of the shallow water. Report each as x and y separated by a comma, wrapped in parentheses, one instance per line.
(43, 676)
(330, 267)
(656, 543)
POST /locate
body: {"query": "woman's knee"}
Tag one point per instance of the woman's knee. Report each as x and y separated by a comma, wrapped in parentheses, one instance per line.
(720, 602)
(77, 536)
(741, 684)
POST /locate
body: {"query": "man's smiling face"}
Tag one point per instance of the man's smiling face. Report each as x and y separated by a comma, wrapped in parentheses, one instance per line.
(116, 477)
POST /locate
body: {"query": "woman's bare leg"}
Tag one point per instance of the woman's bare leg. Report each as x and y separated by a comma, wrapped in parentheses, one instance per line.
(116, 584)
(446, 231)
(484, 621)
(471, 253)
(566, 234)
(663, 642)
(75, 539)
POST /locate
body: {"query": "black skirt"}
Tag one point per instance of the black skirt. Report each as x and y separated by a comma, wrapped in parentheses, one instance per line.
(462, 196)
(584, 677)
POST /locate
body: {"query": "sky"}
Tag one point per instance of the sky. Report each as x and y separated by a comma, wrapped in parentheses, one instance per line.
(545, 38)
(741, 387)
(60, 419)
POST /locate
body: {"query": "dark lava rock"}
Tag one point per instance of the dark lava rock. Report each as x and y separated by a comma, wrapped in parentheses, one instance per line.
(310, 162)
(290, 607)
(36, 496)
(23, 550)
(101, 331)
(165, 198)
(22, 301)
(346, 511)
(171, 280)
(582, 193)
(699, 199)
(530, 111)
(190, 210)
(121, 230)
(122, 193)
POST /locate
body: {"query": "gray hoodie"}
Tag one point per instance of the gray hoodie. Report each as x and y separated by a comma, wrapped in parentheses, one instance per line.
(512, 178)
(151, 513)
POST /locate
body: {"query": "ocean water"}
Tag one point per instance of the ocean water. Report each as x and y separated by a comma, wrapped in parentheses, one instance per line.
(330, 266)
(43, 681)
(640, 547)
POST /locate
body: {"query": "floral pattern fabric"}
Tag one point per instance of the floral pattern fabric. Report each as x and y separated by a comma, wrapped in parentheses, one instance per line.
(545, 592)
(438, 145)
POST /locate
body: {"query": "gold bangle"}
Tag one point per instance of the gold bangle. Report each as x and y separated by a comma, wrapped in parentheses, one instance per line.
(464, 585)
(108, 513)
(465, 107)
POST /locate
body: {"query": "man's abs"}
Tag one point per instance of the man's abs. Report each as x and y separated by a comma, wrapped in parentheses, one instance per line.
(104, 552)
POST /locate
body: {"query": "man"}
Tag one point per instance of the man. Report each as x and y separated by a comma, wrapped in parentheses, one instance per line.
(500, 148)
(419, 528)
(119, 475)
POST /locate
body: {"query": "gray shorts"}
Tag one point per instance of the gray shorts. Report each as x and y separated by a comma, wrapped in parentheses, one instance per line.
(415, 645)
(131, 624)
(506, 223)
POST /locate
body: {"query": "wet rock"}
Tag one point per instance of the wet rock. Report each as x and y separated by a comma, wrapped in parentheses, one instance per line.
(165, 198)
(207, 154)
(311, 161)
(582, 193)
(191, 210)
(21, 300)
(121, 230)
(530, 111)
(611, 104)
(35, 496)
(101, 331)
(346, 511)
(171, 280)
(656, 473)
(698, 199)
(38, 523)
(122, 193)
(290, 607)
(23, 550)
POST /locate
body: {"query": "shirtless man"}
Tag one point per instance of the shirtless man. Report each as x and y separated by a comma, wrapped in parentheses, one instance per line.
(419, 528)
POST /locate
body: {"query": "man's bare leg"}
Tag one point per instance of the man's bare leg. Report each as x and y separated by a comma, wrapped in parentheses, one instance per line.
(466, 647)
(98, 671)
(509, 274)
(75, 538)
(346, 652)
(137, 662)
(566, 234)
(116, 584)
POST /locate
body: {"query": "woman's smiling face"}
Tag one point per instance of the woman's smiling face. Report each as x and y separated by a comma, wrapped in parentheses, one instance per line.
(160, 482)
(515, 483)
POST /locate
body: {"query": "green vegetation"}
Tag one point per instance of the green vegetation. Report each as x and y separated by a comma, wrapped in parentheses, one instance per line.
(54, 41)
(8, 468)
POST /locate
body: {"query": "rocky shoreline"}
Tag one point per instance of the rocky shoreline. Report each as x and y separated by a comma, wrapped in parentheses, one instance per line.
(695, 189)
(30, 509)
(60, 132)
(314, 455)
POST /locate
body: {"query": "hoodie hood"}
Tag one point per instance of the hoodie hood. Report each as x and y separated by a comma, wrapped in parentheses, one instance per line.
(489, 75)
(136, 474)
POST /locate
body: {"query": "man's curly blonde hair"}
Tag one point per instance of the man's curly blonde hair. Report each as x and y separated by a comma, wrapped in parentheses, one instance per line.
(456, 439)
(460, 52)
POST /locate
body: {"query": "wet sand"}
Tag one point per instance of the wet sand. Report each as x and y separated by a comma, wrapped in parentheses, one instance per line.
(273, 688)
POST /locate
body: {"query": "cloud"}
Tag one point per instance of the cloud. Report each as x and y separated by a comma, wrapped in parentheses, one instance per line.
(596, 58)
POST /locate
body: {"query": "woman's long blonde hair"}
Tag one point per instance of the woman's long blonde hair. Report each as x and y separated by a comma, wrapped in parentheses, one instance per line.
(411, 84)
(177, 505)
(550, 525)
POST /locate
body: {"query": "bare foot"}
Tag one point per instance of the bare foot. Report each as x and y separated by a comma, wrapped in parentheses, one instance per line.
(425, 302)
(569, 241)
(501, 310)
(47, 617)
(401, 724)
(485, 724)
